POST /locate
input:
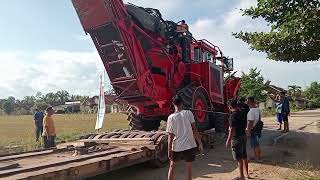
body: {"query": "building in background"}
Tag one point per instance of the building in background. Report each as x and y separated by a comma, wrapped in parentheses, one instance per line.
(112, 106)
(273, 92)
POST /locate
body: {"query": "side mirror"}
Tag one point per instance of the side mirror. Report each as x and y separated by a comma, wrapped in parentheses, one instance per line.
(228, 64)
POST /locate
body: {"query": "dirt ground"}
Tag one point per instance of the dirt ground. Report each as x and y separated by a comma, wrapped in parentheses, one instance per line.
(283, 155)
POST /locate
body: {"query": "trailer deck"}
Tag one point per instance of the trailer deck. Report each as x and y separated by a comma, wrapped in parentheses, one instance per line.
(84, 158)
(92, 155)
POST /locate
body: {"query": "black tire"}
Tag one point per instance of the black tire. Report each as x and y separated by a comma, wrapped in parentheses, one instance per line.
(190, 95)
(162, 155)
(137, 123)
(220, 122)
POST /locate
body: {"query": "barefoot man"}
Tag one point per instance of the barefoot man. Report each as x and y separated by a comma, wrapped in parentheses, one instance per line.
(237, 137)
(183, 135)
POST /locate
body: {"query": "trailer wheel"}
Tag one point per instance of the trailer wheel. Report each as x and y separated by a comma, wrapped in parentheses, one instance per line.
(162, 154)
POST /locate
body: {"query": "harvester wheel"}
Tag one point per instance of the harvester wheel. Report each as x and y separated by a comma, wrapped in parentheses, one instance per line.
(196, 99)
(220, 123)
(137, 123)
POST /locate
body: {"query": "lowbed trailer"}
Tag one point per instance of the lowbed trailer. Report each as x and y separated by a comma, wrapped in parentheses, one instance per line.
(92, 155)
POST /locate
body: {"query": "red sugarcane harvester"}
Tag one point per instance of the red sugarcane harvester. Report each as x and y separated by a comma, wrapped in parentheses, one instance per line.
(149, 60)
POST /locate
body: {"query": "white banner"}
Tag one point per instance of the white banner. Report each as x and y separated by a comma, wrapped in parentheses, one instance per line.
(101, 105)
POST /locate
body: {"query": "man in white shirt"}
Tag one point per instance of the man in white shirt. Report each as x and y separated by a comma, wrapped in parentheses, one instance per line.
(183, 135)
(253, 116)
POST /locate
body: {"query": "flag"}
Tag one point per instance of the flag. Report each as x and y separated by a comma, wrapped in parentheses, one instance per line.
(101, 105)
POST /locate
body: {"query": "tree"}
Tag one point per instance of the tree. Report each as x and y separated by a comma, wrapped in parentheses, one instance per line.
(8, 107)
(28, 102)
(294, 91)
(78, 98)
(295, 29)
(39, 96)
(41, 105)
(253, 84)
(63, 96)
(313, 94)
(50, 98)
(11, 99)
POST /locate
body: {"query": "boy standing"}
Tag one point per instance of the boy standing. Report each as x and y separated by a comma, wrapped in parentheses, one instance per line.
(237, 137)
(183, 135)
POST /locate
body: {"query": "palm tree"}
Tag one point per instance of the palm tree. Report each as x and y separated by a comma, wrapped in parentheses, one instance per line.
(294, 91)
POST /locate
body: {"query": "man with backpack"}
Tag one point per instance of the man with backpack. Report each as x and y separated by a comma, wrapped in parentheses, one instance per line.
(254, 127)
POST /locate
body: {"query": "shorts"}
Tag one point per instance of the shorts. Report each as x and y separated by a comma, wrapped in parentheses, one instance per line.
(239, 147)
(188, 155)
(49, 142)
(279, 118)
(254, 140)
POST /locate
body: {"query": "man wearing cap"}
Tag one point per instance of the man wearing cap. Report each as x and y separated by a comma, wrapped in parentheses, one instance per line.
(49, 132)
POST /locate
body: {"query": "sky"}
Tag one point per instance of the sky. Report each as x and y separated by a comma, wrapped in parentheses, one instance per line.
(44, 48)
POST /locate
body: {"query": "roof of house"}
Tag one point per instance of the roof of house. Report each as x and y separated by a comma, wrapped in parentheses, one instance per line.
(109, 99)
(275, 89)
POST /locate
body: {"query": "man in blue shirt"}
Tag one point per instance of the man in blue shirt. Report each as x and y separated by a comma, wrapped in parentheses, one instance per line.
(38, 121)
(285, 111)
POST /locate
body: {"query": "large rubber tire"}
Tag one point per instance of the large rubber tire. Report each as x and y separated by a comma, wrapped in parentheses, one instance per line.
(162, 154)
(137, 123)
(220, 123)
(196, 98)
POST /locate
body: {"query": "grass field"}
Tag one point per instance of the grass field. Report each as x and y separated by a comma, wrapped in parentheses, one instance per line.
(18, 132)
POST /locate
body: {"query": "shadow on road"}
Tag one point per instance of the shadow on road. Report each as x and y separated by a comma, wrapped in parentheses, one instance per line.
(291, 148)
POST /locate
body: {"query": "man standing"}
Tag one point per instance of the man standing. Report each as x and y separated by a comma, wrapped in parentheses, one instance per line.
(279, 112)
(49, 132)
(237, 137)
(253, 117)
(243, 106)
(183, 135)
(38, 122)
(285, 111)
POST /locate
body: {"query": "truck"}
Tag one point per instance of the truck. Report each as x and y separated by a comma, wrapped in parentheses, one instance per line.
(148, 60)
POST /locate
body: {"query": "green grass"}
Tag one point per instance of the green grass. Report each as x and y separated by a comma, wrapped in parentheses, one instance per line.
(18, 132)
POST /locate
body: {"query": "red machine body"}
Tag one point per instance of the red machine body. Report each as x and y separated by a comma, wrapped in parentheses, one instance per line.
(149, 60)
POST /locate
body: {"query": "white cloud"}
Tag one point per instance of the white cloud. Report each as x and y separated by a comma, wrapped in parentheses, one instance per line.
(24, 73)
(220, 33)
(48, 71)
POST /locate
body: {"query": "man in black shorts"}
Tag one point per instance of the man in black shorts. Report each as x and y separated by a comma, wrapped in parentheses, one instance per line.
(183, 135)
(237, 137)
(285, 111)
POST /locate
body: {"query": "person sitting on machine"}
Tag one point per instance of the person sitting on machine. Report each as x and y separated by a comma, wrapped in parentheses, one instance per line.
(182, 27)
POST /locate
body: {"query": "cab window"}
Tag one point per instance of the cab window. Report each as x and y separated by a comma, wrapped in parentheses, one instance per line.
(197, 54)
